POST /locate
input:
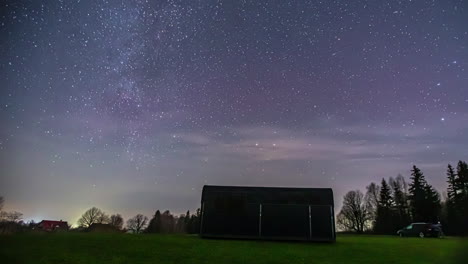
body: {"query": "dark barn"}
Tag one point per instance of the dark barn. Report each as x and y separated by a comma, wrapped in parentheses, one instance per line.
(268, 213)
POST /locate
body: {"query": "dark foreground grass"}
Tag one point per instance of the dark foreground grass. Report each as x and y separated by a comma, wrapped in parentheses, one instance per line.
(125, 248)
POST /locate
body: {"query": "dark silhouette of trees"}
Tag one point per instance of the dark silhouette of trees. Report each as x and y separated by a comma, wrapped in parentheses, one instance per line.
(137, 224)
(385, 213)
(92, 216)
(10, 222)
(180, 226)
(433, 204)
(187, 220)
(155, 223)
(372, 199)
(452, 212)
(103, 219)
(12, 216)
(462, 194)
(400, 199)
(168, 223)
(424, 199)
(353, 215)
(457, 199)
(394, 205)
(193, 225)
(452, 181)
(417, 194)
(116, 221)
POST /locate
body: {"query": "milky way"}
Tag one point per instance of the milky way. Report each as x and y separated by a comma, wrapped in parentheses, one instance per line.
(133, 106)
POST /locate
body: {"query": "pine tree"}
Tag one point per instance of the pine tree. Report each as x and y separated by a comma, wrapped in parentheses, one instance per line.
(452, 184)
(461, 198)
(417, 194)
(461, 181)
(453, 212)
(155, 223)
(400, 197)
(383, 223)
(187, 220)
(432, 204)
(424, 199)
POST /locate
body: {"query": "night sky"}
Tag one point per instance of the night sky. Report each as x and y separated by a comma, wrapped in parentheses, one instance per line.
(133, 106)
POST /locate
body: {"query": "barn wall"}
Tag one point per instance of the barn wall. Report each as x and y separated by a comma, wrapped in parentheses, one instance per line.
(245, 215)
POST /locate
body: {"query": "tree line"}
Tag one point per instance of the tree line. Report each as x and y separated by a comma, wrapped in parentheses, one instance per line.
(164, 222)
(393, 204)
(10, 221)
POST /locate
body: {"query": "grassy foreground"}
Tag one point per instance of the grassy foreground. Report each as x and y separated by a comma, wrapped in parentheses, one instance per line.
(126, 248)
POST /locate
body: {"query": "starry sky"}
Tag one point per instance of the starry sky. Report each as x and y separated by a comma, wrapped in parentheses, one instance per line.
(133, 106)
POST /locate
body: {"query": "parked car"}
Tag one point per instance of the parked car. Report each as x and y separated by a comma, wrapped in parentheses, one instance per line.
(421, 230)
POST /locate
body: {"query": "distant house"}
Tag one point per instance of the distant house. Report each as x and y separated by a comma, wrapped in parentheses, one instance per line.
(52, 225)
(102, 228)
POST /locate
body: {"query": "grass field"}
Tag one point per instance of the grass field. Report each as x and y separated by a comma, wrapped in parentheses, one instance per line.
(126, 248)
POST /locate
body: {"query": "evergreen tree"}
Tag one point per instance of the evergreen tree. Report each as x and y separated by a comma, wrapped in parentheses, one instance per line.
(194, 223)
(155, 223)
(461, 182)
(187, 221)
(167, 222)
(432, 205)
(180, 226)
(384, 219)
(417, 195)
(457, 199)
(452, 183)
(461, 198)
(424, 199)
(400, 197)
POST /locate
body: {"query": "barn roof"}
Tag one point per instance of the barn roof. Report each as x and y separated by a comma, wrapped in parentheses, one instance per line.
(53, 222)
(282, 195)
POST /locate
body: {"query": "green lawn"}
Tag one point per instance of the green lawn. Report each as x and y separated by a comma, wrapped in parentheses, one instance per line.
(125, 248)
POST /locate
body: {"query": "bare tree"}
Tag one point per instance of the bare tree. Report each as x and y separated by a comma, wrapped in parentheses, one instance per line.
(353, 215)
(3, 216)
(116, 221)
(15, 216)
(91, 216)
(372, 200)
(12, 216)
(399, 185)
(103, 219)
(137, 224)
(343, 222)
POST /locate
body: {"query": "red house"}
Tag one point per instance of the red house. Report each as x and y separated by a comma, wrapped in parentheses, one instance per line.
(51, 225)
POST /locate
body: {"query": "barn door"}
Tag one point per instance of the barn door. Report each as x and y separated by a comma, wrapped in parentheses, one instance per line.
(285, 221)
(321, 222)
